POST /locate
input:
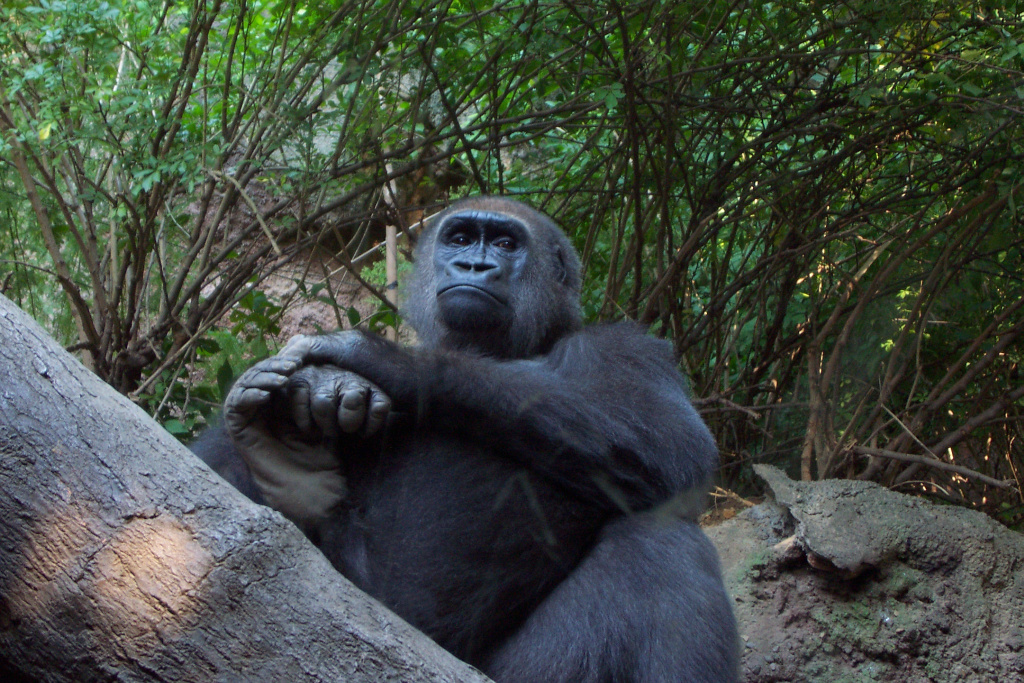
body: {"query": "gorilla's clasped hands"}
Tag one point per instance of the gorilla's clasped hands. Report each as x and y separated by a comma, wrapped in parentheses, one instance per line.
(287, 416)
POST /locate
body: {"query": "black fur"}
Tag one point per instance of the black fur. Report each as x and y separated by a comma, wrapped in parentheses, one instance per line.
(530, 502)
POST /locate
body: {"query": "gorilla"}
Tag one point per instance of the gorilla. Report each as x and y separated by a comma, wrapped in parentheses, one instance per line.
(520, 487)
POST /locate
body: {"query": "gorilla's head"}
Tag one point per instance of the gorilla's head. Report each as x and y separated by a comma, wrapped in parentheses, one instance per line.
(494, 276)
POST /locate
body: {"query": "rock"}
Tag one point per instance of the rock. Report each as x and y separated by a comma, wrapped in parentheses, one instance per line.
(839, 576)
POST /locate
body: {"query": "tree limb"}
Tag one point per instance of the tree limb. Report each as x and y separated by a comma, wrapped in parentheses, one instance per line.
(933, 463)
(123, 556)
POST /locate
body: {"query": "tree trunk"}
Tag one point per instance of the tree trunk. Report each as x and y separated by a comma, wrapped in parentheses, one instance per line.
(123, 557)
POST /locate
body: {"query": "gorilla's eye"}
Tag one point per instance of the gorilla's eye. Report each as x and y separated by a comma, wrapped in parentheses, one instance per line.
(505, 243)
(459, 239)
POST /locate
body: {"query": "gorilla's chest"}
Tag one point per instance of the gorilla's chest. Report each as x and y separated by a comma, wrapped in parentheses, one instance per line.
(428, 490)
(445, 525)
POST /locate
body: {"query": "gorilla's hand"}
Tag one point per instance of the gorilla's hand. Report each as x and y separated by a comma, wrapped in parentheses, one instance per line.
(373, 360)
(286, 422)
(248, 412)
(327, 403)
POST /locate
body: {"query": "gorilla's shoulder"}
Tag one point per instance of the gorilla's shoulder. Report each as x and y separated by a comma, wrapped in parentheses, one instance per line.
(616, 344)
(626, 336)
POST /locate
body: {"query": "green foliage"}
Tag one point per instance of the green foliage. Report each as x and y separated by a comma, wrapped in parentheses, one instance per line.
(185, 399)
(376, 273)
(816, 202)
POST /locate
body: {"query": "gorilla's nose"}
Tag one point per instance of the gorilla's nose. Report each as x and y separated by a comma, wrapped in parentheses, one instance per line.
(476, 266)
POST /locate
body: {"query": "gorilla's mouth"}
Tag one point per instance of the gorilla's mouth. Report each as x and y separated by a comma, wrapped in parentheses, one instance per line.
(471, 290)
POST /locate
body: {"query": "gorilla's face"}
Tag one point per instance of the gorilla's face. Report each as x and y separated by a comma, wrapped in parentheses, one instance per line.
(479, 262)
(494, 277)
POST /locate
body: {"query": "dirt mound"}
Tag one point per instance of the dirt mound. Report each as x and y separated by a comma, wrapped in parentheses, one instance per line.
(845, 581)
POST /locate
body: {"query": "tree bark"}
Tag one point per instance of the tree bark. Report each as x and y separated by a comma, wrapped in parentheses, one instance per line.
(122, 556)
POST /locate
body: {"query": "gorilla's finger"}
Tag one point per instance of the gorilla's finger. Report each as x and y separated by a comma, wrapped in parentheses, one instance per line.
(247, 398)
(278, 364)
(296, 348)
(380, 407)
(323, 407)
(268, 375)
(334, 349)
(299, 401)
(352, 407)
(241, 408)
(262, 380)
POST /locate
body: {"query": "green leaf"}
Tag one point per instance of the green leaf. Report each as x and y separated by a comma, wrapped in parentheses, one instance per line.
(176, 427)
(225, 378)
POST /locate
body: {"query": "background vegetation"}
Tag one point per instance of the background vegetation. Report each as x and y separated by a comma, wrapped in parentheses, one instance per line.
(818, 203)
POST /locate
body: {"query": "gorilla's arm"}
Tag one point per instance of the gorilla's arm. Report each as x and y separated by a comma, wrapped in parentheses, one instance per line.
(604, 413)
